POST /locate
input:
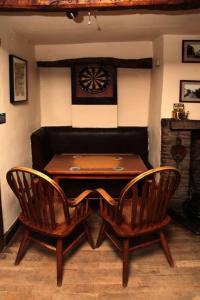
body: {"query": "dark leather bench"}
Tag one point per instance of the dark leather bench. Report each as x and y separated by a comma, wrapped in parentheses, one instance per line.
(48, 141)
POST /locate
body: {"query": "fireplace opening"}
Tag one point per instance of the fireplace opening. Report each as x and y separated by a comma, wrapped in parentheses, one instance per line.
(193, 205)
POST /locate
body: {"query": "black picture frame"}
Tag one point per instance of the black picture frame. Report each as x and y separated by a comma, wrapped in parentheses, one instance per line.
(189, 91)
(18, 79)
(84, 89)
(191, 51)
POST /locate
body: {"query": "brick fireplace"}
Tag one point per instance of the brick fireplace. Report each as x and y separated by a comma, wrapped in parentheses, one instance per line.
(180, 147)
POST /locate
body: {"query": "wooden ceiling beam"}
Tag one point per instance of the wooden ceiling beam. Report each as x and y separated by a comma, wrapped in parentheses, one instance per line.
(64, 5)
(142, 63)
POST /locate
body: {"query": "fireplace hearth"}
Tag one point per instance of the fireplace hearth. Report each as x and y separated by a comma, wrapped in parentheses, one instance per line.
(180, 147)
(193, 206)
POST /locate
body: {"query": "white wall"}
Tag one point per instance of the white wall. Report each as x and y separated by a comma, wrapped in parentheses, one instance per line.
(21, 119)
(133, 87)
(156, 102)
(174, 71)
(102, 116)
(55, 95)
(133, 97)
(165, 83)
(120, 50)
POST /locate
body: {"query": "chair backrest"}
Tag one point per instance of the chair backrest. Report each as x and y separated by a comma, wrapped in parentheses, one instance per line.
(148, 196)
(41, 199)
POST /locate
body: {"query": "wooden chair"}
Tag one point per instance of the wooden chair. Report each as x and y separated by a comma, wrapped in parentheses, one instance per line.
(141, 210)
(48, 217)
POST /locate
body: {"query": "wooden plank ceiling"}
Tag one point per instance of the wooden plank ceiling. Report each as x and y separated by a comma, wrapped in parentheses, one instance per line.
(60, 5)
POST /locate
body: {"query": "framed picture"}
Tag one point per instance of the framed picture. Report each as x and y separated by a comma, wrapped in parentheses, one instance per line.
(190, 91)
(94, 83)
(18, 79)
(191, 51)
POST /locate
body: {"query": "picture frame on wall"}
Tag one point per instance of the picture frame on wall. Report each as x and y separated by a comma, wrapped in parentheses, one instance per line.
(189, 91)
(94, 84)
(18, 79)
(191, 51)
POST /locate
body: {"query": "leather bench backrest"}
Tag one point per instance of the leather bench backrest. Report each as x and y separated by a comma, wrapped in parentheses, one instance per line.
(48, 141)
(105, 140)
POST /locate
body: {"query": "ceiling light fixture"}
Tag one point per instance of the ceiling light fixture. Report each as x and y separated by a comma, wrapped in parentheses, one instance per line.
(97, 23)
(89, 18)
(78, 18)
(72, 15)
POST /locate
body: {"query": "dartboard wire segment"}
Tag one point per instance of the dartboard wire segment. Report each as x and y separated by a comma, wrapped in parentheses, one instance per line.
(94, 79)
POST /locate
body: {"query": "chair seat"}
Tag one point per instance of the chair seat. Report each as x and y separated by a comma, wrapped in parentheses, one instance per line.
(62, 229)
(124, 229)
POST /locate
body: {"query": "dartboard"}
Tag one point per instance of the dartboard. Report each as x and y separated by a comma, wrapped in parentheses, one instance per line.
(94, 79)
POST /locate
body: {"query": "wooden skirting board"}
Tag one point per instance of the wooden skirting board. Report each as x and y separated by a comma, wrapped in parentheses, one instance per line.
(7, 237)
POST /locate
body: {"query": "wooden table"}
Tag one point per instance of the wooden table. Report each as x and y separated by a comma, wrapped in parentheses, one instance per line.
(95, 166)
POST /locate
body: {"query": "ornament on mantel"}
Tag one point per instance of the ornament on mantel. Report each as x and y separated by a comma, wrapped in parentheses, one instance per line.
(178, 112)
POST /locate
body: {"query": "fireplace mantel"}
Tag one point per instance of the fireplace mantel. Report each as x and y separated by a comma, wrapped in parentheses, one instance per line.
(185, 124)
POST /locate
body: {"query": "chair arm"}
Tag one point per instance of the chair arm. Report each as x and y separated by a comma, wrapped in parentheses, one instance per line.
(80, 198)
(106, 197)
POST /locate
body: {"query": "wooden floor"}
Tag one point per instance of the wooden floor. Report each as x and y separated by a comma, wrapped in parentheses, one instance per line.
(96, 274)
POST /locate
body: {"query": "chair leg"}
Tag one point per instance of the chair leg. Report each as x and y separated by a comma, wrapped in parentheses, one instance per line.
(59, 255)
(23, 246)
(166, 249)
(89, 236)
(125, 262)
(101, 234)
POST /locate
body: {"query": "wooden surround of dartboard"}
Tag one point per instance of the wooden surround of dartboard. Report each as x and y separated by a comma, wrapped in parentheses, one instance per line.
(94, 83)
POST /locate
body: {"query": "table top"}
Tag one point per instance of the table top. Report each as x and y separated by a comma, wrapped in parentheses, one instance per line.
(96, 164)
